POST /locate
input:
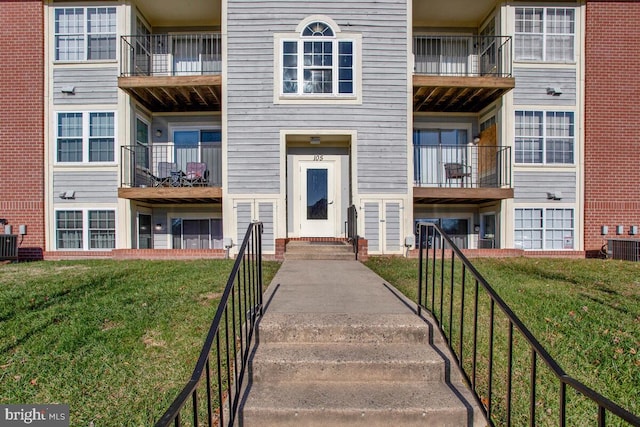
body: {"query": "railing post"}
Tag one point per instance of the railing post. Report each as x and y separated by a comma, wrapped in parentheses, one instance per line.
(420, 260)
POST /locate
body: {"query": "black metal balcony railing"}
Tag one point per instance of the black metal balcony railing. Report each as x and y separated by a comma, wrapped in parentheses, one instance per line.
(512, 375)
(462, 166)
(212, 395)
(463, 55)
(170, 165)
(171, 54)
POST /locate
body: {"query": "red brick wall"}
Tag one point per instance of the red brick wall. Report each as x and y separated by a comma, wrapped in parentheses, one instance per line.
(21, 121)
(612, 119)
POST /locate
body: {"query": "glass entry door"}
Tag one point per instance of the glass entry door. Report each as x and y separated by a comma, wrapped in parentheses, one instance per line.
(317, 204)
(145, 237)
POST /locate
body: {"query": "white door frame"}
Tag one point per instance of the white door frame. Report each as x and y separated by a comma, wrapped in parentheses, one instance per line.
(317, 228)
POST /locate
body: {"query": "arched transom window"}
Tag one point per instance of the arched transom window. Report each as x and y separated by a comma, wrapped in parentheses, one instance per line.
(317, 62)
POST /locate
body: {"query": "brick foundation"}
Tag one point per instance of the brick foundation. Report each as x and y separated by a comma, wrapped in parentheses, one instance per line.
(150, 254)
(507, 253)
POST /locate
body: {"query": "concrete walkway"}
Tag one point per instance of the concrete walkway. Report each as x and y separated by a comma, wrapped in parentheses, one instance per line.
(337, 345)
(331, 287)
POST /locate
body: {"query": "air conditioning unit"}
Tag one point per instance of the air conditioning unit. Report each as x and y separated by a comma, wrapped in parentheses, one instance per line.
(624, 249)
(8, 247)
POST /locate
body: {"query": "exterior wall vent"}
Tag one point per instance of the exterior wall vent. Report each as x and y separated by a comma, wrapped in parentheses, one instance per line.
(624, 249)
(8, 247)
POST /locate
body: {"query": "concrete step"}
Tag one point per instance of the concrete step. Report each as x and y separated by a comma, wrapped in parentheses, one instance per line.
(345, 328)
(312, 250)
(357, 404)
(320, 256)
(345, 362)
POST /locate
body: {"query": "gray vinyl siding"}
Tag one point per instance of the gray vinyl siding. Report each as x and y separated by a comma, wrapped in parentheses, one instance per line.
(372, 226)
(532, 83)
(265, 214)
(161, 239)
(254, 121)
(92, 85)
(392, 222)
(532, 187)
(243, 218)
(89, 187)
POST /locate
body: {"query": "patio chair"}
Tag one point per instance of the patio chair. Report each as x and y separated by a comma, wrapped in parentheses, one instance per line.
(166, 172)
(456, 171)
(196, 174)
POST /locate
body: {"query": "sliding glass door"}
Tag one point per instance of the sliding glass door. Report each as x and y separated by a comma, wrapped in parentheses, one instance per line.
(197, 233)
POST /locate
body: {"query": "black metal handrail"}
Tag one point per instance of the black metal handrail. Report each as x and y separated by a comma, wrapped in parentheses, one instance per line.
(151, 165)
(172, 54)
(231, 332)
(466, 166)
(480, 367)
(352, 228)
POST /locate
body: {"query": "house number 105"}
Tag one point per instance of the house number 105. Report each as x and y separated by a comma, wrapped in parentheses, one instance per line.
(318, 158)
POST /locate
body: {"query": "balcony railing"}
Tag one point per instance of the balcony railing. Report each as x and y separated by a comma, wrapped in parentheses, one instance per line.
(171, 165)
(462, 166)
(171, 55)
(488, 56)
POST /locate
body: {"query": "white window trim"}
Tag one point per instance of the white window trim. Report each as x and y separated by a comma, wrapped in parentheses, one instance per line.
(85, 227)
(544, 35)
(544, 139)
(314, 99)
(544, 225)
(86, 114)
(85, 35)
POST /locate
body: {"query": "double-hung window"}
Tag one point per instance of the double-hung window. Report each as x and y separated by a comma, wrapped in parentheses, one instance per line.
(545, 34)
(85, 33)
(86, 229)
(69, 230)
(85, 137)
(537, 228)
(544, 137)
(318, 63)
(102, 229)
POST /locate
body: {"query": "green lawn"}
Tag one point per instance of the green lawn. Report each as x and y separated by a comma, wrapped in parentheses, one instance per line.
(116, 340)
(586, 313)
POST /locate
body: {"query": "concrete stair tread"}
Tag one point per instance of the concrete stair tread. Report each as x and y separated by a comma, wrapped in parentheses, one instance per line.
(347, 362)
(371, 403)
(347, 352)
(337, 327)
(347, 256)
(307, 243)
